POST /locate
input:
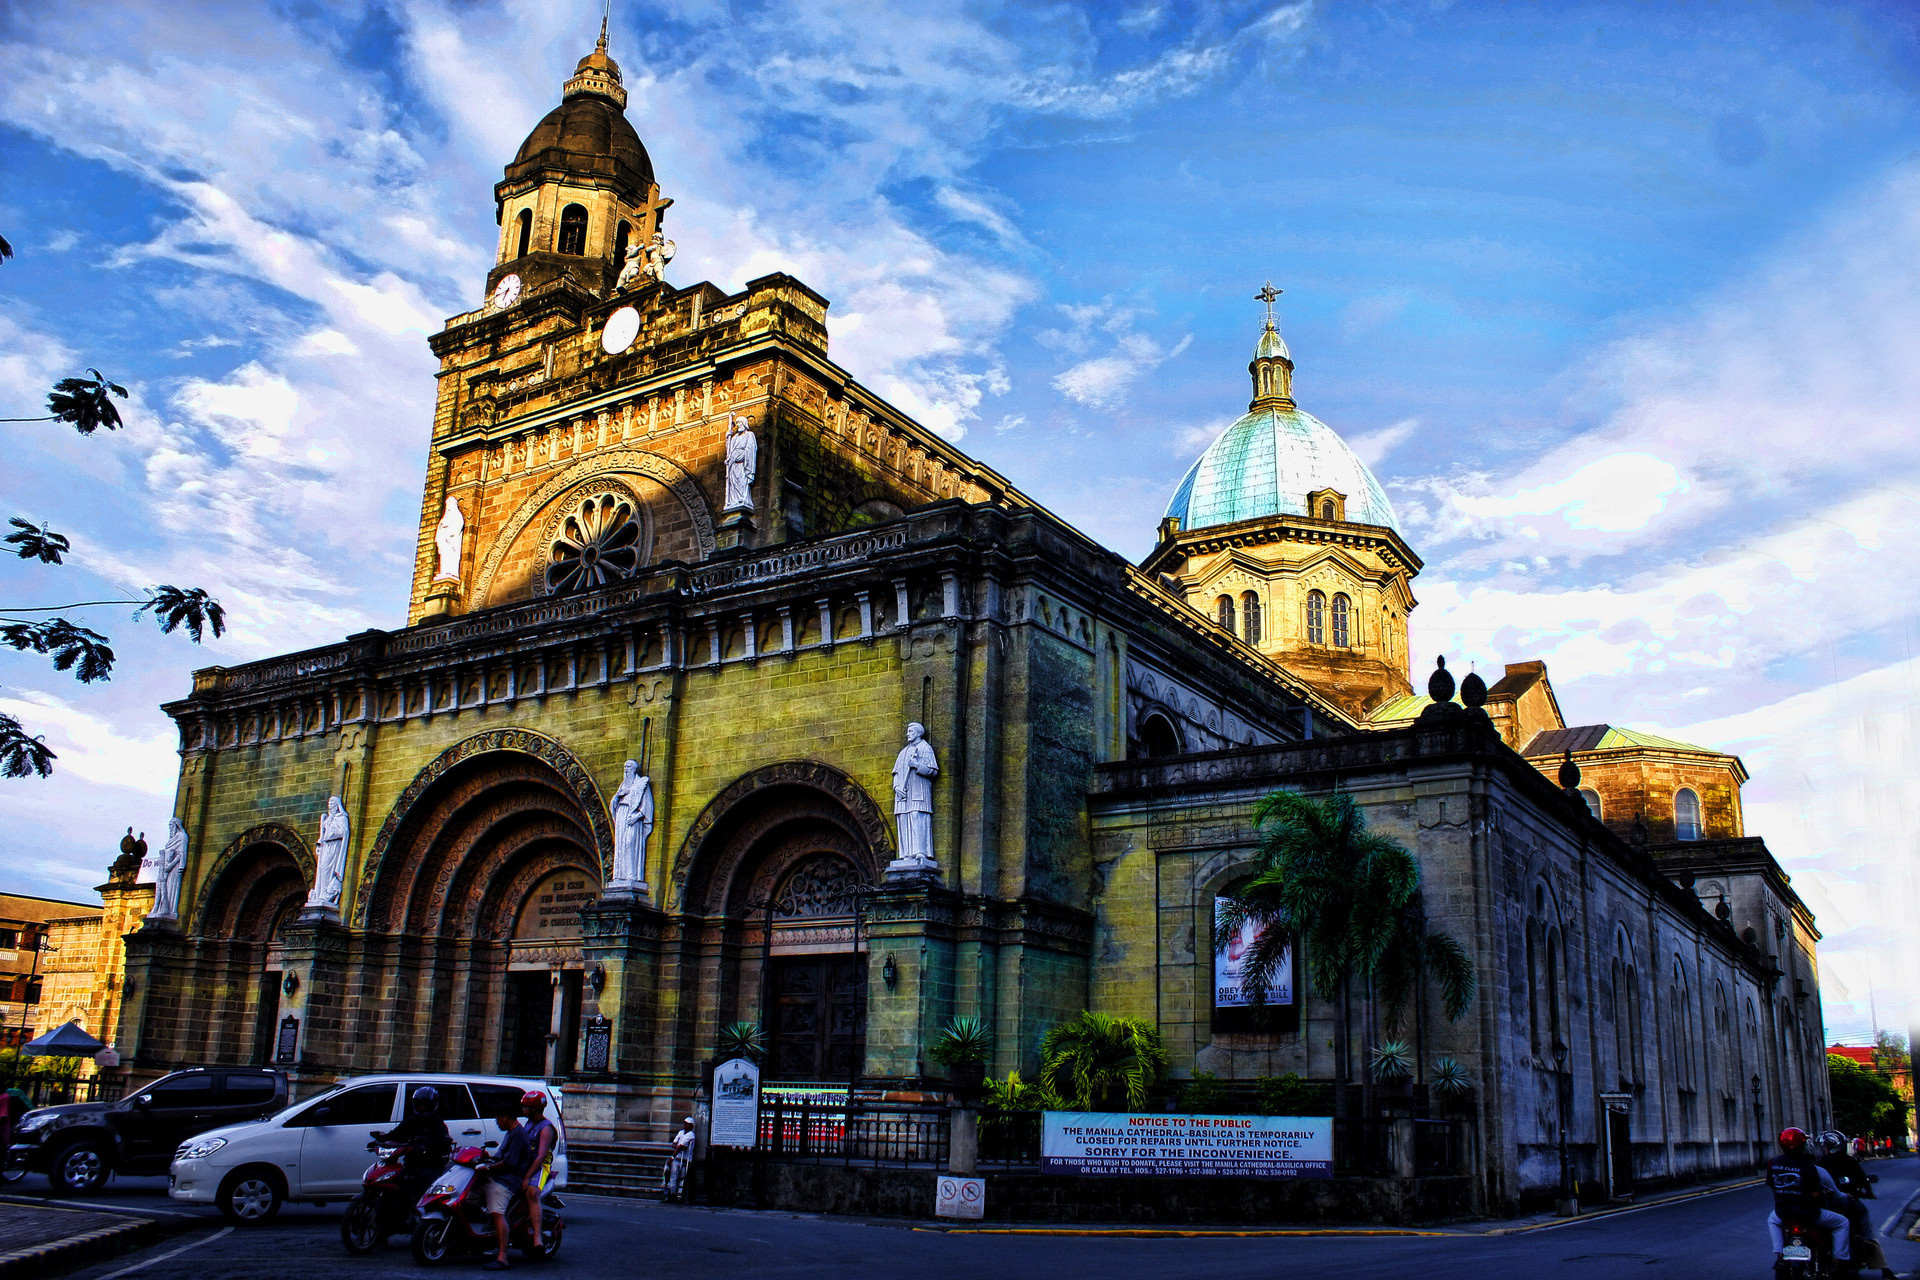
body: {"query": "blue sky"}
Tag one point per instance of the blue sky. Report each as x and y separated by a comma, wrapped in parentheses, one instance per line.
(1622, 302)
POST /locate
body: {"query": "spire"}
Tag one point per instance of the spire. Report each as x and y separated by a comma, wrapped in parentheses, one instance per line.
(598, 73)
(1272, 366)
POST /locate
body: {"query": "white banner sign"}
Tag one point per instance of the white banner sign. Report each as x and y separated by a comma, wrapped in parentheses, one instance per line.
(1229, 968)
(960, 1198)
(736, 1105)
(1175, 1146)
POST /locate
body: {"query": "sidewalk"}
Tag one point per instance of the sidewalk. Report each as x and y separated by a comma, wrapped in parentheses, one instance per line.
(38, 1239)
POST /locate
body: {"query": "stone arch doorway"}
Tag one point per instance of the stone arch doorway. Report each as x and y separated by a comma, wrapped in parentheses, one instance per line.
(777, 866)
(255, 888)
(471, 902)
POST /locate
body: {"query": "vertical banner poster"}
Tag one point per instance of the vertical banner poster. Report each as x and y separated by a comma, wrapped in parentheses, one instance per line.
(736, 1104)
(1234, 1007)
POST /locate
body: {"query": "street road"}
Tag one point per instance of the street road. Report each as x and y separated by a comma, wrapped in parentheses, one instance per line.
(1707, 1237)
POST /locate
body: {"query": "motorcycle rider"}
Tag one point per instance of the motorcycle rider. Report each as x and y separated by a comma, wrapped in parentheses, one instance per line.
(1856, 1187)
(1802, 1190)
(425, 1136)
(541, 1138)
(505, 1172)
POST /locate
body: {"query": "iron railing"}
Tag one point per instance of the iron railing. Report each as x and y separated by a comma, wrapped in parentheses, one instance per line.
(51, 1091)
(860, 1134)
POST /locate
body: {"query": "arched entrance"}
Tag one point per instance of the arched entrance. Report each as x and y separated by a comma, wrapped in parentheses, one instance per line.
(472, 896)
(254, 890)
(777, 864)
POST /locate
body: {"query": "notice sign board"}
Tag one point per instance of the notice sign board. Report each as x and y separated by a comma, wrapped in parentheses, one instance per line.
(599, 1044)
(287, 1047)
(736, 1104)
(1175, 1146)
(960, 1197)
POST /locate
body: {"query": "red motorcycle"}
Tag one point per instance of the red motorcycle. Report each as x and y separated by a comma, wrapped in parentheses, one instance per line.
(453, 1218)
(384, 1206)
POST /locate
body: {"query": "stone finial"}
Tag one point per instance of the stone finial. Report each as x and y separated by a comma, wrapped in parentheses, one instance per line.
(1569, 773)
(1637, 837)
(126, 868)
(1473, 690)
(1440, 683)
(1723, 911)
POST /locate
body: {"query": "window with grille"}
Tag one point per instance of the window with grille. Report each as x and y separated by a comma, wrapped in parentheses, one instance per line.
(573, 229)
(1316, 618)
(1342, 613)
(1250, 617)
(1224, 611)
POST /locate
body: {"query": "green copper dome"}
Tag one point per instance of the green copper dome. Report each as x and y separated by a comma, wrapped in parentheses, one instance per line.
(1266, 464)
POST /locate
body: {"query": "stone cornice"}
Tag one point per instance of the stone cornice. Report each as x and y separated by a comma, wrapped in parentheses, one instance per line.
(1284, 528)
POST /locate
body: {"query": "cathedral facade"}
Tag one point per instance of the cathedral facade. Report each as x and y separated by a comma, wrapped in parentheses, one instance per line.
(639, 764)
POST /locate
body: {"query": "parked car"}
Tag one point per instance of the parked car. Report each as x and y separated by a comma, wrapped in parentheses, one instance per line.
(316, 1150)
(81, 1144)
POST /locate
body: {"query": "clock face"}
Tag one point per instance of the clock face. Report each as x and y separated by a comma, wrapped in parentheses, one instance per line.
(623, 326)
(507, 292)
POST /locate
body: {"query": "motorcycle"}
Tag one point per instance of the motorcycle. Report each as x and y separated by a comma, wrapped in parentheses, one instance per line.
(453, 1218)
(385, 1204)
(1806, 1252)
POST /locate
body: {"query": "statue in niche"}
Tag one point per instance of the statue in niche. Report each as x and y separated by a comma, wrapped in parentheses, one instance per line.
(659, 254)
(914, 770)
(743, 463)
(446, 541)
(632, 825)
(167, 871)
(330, 857)
(630, 273)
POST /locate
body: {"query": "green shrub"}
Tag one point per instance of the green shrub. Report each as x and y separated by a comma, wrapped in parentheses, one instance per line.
(961, 1040)
(1289, 1095)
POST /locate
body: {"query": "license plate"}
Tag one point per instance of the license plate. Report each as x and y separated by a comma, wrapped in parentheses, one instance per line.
(1797, 1253)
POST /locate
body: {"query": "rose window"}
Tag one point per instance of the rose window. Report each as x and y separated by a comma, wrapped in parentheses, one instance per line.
(595, 545)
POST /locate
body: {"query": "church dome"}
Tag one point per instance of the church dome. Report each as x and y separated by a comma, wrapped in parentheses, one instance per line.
(1267, 463)
(588, 132)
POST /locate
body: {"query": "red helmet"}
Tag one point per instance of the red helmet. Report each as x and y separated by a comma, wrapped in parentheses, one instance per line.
(538, 1101)
(1794, 1140)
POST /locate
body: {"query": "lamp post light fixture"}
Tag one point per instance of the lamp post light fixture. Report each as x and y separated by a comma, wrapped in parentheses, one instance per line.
(890, 974)
(1562, 1081)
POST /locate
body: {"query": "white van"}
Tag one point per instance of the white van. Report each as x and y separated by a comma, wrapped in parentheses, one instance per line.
(316, 1150)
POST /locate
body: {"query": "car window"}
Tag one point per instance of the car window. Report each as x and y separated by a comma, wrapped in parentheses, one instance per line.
(496, 1100)
(367, 1104)
(454, 1102)
(306, 1113)
(245, 1090)
(183, 1091)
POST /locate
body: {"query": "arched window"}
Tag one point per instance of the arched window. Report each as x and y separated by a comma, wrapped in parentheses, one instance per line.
(1533, 988)
(1223, 609)
(1681, 1004)
(1316, 618)
(621, 235)
(526, 232)
(1158, 737)
(1250, 617)
(573, 229)
(1686, 814)
(1326, 509)
(1342, 611)
(1592, 798)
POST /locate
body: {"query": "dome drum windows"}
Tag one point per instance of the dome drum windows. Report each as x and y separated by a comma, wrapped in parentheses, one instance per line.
(1342, 622)
(1223, 612)
(1250, 617)
(573, 230)
(1686, 815)
(1316, 617)
(525, 242)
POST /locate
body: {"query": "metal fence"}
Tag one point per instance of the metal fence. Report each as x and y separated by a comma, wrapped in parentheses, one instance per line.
(864, 1134)
(48, 1091)
(1399, 1148)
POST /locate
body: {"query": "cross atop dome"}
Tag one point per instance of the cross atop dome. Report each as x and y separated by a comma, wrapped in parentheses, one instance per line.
(1269, 295)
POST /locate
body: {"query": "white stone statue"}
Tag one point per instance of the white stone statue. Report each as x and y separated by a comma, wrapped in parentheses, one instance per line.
(659, 254)
(632, 825)
(446, 541)
(630, 273)
(743, 463)
(330, 857)
(167, 872)
(914, 770)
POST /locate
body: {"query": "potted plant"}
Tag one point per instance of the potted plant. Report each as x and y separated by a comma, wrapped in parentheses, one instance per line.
(741, 1040)
(1450, 1084)
(962, 1048)
(1392, 1062)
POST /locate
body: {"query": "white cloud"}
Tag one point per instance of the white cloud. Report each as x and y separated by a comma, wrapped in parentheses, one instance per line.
(1373, 447)
(96, 750)
(1103, 381)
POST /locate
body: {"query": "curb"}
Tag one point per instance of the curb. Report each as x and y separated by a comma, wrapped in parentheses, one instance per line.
(1151, 1233)
(1610, 1210)
(88, 1246)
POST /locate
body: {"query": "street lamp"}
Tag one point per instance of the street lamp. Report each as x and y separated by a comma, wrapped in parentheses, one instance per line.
(1562, 1080)
(1759, 1126)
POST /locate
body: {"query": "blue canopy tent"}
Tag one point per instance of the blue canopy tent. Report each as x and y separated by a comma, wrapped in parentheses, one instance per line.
(69, 1040)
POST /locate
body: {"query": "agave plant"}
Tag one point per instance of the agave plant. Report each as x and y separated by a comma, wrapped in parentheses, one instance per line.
(742, 1040)
(962, 1040)
(1392, 1060)
(1449, 1078)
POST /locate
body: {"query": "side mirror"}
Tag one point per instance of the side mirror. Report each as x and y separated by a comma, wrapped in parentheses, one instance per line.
(488, 1146)
(144, 1101)
(322, 1111)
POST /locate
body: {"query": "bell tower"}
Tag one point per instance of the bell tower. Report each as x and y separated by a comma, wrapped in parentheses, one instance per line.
(579, 192)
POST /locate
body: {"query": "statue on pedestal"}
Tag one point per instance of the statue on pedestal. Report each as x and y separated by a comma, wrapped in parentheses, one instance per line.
(133, 856)
(630, 272)
(632, 825)
(330, 858)
(446, 541)
(743, 463)
(659, 254)
(914, 770)
(166, 875)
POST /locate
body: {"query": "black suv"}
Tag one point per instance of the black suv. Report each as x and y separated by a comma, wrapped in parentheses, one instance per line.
(78, 1146)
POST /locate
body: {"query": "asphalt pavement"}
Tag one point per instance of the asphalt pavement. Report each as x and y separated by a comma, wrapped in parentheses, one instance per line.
(1704, 1236)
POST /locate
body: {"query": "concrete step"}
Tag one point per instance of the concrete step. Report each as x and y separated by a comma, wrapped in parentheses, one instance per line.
(629, 1169)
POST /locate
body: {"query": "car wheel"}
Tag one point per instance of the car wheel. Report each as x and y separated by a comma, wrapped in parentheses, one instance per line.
(81, 1168)
(249, 1197)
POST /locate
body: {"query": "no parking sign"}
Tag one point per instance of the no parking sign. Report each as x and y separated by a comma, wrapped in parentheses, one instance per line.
(960, 1198)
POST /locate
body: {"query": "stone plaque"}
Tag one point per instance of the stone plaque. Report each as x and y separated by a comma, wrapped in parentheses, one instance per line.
(287, 1045)
(599, 1044)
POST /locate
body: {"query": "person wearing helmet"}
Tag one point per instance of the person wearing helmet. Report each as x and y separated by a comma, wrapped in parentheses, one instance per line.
(424, 1134)
(1855, 1187)
(541, 1138)
(1804, 1192)
(505, 1174)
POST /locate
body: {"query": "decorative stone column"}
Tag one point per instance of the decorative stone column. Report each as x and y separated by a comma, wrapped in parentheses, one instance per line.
(621, 945)
(910, 932)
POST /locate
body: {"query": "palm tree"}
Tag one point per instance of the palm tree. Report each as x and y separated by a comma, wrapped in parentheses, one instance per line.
(1098, 1061)
(1412, 956)
(1343, 891)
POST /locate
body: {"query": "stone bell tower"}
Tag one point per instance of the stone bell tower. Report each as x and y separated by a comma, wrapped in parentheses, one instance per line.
(579, 191)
